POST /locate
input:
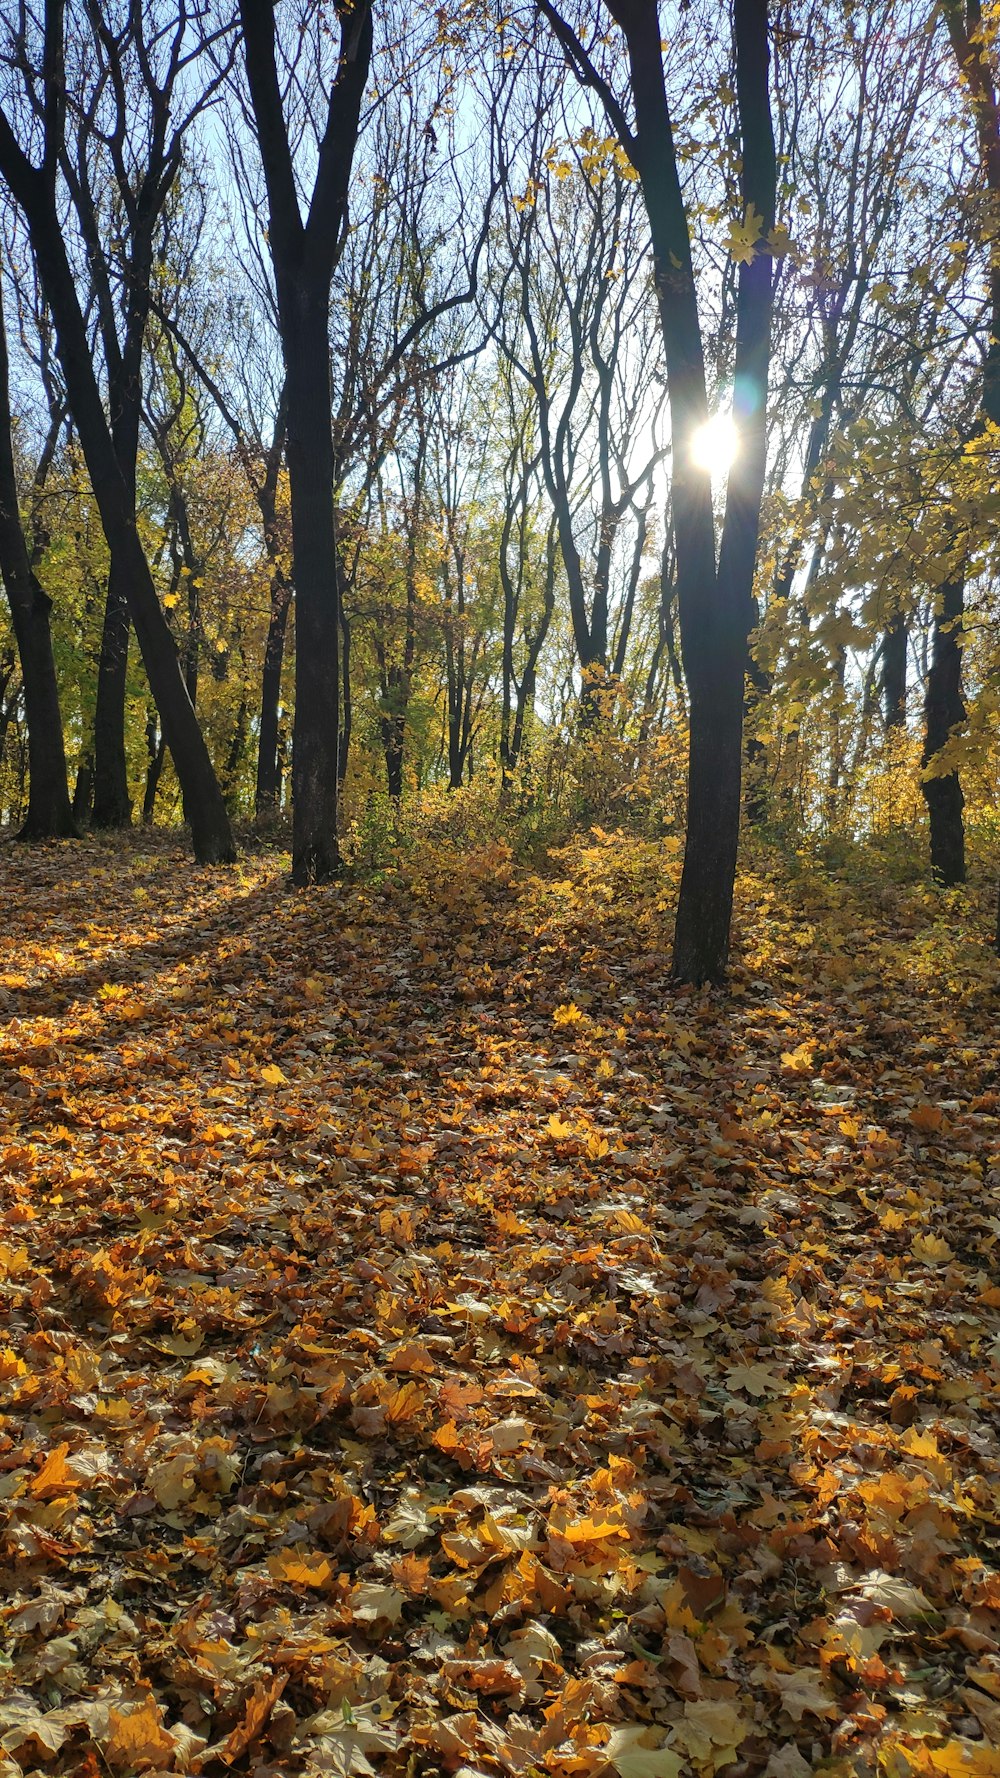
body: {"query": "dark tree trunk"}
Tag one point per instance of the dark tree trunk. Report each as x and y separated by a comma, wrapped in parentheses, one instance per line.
(894, 645)
(970, 43)
(112, 805)
(347, 718)
(156, 753)
(944, 712)
(303, 255)
(266, 800)
(49, 815)
(316, 731)
(392, 742)
(715, 601)
(237, 748)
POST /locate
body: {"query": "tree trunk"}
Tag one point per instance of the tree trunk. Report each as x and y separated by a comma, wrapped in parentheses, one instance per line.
(234, 757)
(204, 805)
(303, 256)
(49, 815)
(715, 601)
(266, 799)
(347, 724)
(155, 755)
(944, 712)
(894, 645)
(316, 732)
(112, 805)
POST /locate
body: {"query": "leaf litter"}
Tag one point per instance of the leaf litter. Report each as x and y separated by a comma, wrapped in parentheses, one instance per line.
(434, 1344)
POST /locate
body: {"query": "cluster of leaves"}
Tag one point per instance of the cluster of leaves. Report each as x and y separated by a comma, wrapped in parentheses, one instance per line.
(435, 1345)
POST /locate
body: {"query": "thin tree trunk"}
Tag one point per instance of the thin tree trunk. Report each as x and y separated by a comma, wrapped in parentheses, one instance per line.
(347, 722)
(944, 712)
(155, 755)
(266, 798)
(49, 815)
(894, 645)
(112, 805)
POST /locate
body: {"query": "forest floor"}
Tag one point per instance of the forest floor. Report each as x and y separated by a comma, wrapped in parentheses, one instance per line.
(434, 1344)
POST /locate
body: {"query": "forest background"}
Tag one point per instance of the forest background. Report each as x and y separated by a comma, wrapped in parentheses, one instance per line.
(498, 612)
(499, 464)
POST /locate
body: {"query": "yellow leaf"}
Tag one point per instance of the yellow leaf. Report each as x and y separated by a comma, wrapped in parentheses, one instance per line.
(256, 1714)
(55, 1475)
(920, 1444)
(743, 237)
(557, 1128)
(962, 1759)
(138, 1739)
(800, 1060)
(931, 1249)
(296, 1567)
(591, 1529)
(567, 1015)
(411, 1355)
(173, 1481)
(891, 1219)
(272, 1075)
(370, 1601)
(711, 1732)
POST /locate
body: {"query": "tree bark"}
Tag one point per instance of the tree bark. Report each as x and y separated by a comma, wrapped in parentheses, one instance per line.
(894, 645)
(112, 804)
(944, 712)
(266, 799)
(303, 255)
(316, 731)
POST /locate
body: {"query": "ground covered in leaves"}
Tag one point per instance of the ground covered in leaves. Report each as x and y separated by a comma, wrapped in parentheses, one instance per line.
(432, 1344)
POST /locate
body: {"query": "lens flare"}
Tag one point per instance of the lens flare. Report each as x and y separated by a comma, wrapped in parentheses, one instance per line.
(714, 446)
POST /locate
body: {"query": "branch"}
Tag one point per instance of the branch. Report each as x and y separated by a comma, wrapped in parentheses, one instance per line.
(588, 75)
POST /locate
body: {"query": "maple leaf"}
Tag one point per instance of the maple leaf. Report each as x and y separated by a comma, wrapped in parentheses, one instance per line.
(55, 1475)
(803, 1691)
(711, 1732)
(931, 1249)
(636, 1751)
(297, 1567)
(371, 1601)
(743, 240)
(137, 1738)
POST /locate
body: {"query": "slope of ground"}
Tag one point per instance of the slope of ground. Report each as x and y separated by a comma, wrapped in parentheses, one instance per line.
(432, 1344)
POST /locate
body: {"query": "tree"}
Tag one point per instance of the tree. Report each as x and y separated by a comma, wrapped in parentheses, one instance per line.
(303, 255)
(575, 329)
(944, 706)
(714, 591)
(49, 814)
(35, 189)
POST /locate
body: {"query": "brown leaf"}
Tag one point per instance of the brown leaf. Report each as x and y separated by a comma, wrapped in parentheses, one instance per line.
(256, 1712)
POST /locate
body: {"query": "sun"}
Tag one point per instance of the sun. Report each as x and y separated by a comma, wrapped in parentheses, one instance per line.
(714, 446)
